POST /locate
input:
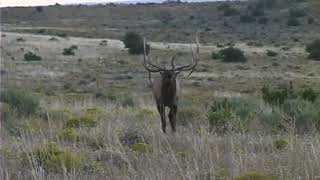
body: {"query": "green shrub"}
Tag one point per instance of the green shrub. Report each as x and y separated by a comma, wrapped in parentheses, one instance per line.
(215, 55)
(30, 56)
(247, 19)
(310, 20)
(232, 55)
(314, 49)
(255, 176)
(271, 53)
(21, 39)
(127, 102)
(296, 13)
(293, 22)
(89, 119)
(274, 120)
(309, 94)
(232, 114)
(276, 96)
(22, 102)
(230, 12)
(39, 9)
(69, 51)
(54, 158)
(134, 42)
(304, 115)
(69, 134)
(263, 20)
(280, 144)
(141, 147)
(257, 12)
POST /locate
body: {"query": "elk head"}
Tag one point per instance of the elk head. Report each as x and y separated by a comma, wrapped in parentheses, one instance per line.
(165, 87)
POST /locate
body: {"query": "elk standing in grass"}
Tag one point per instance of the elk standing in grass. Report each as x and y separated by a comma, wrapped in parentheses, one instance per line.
(165, 87)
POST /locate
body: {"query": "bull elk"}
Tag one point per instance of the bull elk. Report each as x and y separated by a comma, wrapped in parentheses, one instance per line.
(165, 87)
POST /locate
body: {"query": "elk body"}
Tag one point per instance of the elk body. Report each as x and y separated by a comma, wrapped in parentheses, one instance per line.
(165, 86)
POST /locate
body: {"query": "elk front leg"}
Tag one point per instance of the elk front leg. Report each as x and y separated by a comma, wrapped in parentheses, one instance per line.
(162, 112)
(172, 117)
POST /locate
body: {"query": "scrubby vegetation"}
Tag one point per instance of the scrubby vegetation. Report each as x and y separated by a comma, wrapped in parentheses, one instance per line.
(134, 42)
(70, 51)
(30, 56)
(232, 54)
(314, 50)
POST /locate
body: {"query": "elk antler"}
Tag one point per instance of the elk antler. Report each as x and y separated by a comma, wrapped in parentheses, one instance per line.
(147, 62)
(192, 66)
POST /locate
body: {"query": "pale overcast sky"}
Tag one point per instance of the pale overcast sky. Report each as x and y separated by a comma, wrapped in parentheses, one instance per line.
(4, 3)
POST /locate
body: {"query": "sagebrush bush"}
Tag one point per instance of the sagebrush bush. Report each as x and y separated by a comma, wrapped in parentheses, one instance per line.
(69, 134)
(21, 101)
(89, 118)
(232, 54)
(215, 55)
(263, 20)
(293, 22)
(276, 95)
(54, 158)
(247, 18)
(69, 51)
(231, 114)
(314, 50)
(30, 56)
(309, 94)
(271, 53)
(296, 13)
(134, 42)
(280, 144)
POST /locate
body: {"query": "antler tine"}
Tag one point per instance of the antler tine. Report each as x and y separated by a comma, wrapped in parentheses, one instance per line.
(172, 62)
(195, 58)
(146, 60)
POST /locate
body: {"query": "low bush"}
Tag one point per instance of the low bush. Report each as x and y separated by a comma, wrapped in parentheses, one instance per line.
(296, 13)
(309, 94)
(69, 134)
(263, 20)
(89, 118)
(314, 50)
(69, 51)
(277, 95)
(232, 54)
(30, 56)
(293, 22)
(280, 144)
(247, 19)
(20, 101)
(215, 55)
(134, 42)
(54, 158)
(271, 53)
(230, 12)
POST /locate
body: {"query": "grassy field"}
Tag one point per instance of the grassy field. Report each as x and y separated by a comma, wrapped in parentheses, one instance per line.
(91, 115)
